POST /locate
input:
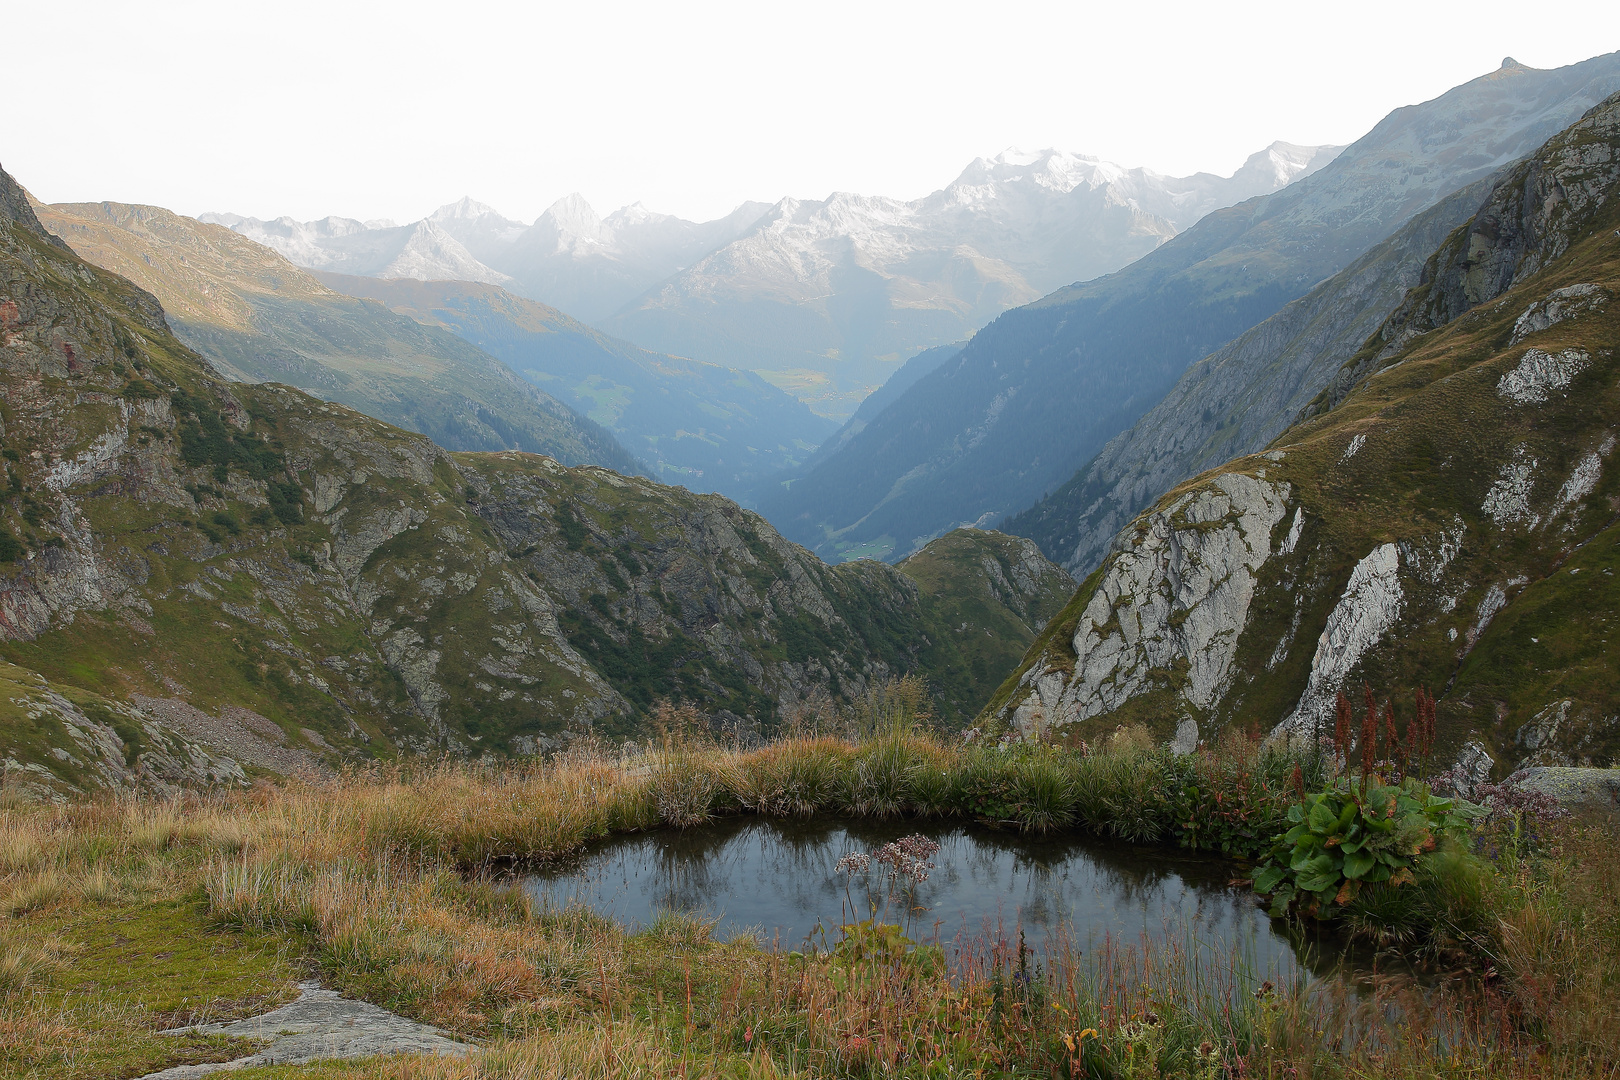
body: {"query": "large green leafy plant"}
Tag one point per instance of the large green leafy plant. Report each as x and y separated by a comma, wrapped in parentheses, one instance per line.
(1363, 831)
(1343, 839)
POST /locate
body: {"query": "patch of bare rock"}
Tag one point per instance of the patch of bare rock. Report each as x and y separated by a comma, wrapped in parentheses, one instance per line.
(319, 1026)
(241, 733)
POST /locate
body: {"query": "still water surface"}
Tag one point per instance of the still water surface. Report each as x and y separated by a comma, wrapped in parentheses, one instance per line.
(777, 878)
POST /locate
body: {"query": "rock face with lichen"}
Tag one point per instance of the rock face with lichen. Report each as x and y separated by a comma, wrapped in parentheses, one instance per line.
(206, 578)
(1168, 614)
(1444, 515)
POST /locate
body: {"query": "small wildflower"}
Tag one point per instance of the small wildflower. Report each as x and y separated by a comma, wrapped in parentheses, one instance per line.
(855, 862)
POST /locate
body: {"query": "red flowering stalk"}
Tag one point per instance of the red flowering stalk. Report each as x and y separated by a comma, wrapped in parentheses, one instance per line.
(1426, 727)
(1369, 739)
(1343, 730)
(1392, 738)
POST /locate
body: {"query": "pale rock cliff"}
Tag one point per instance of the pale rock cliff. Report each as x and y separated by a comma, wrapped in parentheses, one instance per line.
(1169, 609)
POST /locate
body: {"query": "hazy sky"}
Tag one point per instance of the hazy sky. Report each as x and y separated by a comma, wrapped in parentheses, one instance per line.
(390, 109)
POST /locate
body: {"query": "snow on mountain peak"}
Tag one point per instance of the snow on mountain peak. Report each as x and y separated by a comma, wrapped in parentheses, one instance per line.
(1281, 163)
(635, 214)
(572, 216)
(431, 254)
(1014, 155)
(465, 209)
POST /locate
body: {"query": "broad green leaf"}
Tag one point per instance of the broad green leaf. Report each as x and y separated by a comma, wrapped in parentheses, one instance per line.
(1268, 877)
(1318, 873)
(1357, 863)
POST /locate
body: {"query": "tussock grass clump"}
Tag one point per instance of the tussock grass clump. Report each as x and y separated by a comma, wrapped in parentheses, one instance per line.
(21, 847)
(100, 886)
(22, 964)
(795, 778)
(36, 891)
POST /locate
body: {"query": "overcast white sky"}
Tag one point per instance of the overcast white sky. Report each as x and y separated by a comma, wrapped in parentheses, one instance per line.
(390, 109)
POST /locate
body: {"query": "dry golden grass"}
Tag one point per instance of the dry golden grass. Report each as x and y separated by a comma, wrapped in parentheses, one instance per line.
(376, 877)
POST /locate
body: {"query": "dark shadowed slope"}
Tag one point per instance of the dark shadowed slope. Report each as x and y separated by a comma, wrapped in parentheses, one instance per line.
(1237, 399)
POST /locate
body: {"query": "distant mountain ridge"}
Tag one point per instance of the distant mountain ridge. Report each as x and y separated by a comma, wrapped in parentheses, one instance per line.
(569, 258)
(1037, 393)
(374, 248)
(824, 298)
(839, 291)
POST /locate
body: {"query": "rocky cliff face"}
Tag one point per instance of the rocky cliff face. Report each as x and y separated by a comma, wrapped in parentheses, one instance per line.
(214, 576)
(1449, 522)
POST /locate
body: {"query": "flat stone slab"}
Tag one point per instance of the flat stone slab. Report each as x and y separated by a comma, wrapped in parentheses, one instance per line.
(1577, 789)
(319, 1026)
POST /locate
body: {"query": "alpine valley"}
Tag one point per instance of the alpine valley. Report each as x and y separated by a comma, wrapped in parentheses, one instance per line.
(1078, 623)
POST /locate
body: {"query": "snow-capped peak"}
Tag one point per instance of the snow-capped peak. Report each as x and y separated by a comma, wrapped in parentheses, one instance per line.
(572, 216)
(465, 209)
(1281, 163)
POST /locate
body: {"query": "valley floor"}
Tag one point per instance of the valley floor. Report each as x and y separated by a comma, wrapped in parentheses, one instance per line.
(125, 916)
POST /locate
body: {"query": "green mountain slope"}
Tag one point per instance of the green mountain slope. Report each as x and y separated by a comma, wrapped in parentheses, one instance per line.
(202, 579)
(260, 318)
(708, 427)
(985, 596)
(1445, 518)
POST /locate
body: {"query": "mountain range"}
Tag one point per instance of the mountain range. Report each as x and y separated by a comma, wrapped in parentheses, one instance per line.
(825, 298)
(1035, 395)
(569, 257)
(835, 294)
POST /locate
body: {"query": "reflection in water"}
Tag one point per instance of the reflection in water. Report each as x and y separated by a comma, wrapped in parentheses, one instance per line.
(777, 878)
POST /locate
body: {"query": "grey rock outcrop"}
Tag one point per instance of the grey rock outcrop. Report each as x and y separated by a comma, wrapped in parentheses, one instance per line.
(1579, 790)
(1369, 608)
(320, 1026)
(1168, 610)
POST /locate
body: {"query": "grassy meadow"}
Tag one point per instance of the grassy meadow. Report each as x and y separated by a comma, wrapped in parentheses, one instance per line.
(120, 916)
